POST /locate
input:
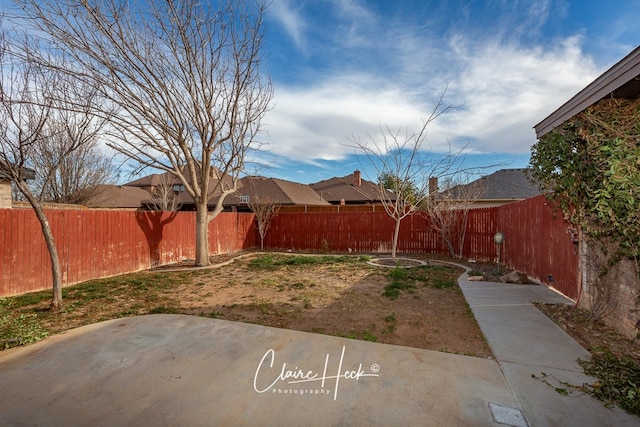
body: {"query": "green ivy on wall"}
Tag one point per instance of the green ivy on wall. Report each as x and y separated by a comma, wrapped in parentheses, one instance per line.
(591, 166)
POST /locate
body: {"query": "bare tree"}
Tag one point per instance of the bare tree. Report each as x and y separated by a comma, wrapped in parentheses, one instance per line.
(33, 110)
(163, 196)
(265, 210)
(76, 176)
(185, 78)
(448, 211)
(403, 167)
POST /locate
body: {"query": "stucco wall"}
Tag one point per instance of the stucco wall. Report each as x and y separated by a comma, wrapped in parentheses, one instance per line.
(5, 194)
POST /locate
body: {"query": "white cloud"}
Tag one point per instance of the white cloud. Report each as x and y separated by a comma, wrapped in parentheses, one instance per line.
(355, 23)
(354, 10)
(290, 19)
(504, 89)
(316, 123)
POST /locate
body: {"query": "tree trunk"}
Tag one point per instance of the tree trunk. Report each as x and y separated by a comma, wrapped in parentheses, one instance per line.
(202, 235)
(394, 244)
(463, 232)
(449, 242)
(56, 271)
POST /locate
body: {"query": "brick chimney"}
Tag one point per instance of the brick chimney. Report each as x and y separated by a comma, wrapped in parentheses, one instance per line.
(433, 185)
(357, 178)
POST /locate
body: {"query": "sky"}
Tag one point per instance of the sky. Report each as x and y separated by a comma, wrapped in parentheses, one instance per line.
(344, 69)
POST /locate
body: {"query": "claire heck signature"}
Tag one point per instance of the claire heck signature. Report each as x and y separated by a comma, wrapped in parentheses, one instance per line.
(267, 378)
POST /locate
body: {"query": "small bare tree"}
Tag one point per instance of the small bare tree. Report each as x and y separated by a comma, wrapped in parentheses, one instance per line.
(265, 210)
(34, 110)
(448, 211)
(163, 196)
(185, 79)
(403, 167)
(72, 176)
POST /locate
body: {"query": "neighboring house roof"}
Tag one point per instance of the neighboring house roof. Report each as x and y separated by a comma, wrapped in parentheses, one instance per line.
(154, 180)
(502, 185)
(258, 189)
(118, 196)
(351, 188)
(622, 80)
(150, 182)
(136, 194)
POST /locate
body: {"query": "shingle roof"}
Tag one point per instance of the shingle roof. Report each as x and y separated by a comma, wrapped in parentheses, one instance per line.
(346, 188)
(153, 180)
(156, 179)
(118, 196)
(273, 190)
(505, 184)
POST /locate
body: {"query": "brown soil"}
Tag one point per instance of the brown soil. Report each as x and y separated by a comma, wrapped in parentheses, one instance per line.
(340, 300)
(593, 336)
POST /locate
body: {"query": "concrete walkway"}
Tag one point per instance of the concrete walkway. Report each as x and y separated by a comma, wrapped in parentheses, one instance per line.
(175, 370)
(536, 355)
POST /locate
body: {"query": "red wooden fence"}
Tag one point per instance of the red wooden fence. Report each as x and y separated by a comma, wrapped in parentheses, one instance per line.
(373, 231)
(351, 231)
(536, 241)
(96, 243)
(100, 243)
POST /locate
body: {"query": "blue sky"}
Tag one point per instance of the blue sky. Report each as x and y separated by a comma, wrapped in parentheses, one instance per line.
(341, 68)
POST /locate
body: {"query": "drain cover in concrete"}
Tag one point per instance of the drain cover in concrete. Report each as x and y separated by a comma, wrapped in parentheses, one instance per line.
(508, 416)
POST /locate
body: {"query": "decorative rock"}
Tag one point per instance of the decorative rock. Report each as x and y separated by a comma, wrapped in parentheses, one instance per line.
(515, 277)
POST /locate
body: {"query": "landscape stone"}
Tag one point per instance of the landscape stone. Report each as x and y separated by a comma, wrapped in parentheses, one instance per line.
(516, 277)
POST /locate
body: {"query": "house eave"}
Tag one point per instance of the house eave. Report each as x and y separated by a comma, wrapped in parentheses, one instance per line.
(27, 174)
(621, 80)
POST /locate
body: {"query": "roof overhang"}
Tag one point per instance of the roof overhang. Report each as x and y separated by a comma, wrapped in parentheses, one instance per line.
(620, 81)
(6, 175)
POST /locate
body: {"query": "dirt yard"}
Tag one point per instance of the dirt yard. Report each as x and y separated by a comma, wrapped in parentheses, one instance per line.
(342, 299)
(334, 295)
